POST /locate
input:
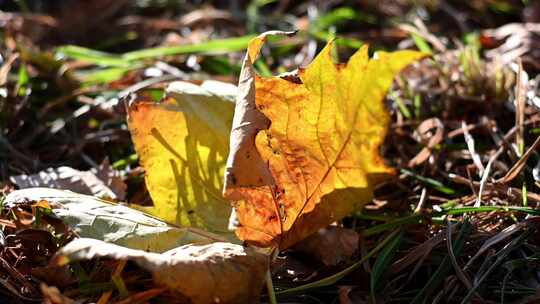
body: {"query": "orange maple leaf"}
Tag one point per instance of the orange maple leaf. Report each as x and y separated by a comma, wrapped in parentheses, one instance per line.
(304, 149)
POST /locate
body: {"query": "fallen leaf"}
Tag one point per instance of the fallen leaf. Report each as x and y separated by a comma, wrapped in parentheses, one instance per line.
(104, 182)
(214, 273)
(352, 295)
(95, 218)
(59, 276)
(424, 134)
(305, 148)
(330, 246)
(182, 145)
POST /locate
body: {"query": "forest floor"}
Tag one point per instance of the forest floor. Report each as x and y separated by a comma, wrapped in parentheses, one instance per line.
(459, 220)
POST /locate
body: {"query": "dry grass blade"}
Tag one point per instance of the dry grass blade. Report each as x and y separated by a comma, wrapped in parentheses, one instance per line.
(497, 187)
(470, 145)
(459, 272)
(421, 201)
(501, 255)
(424, 132)
(521, 91)
(6, 67)
(442, 271)
(418, 252)
(485, 177)
(520, 164)
(421, 30)
(507, 232)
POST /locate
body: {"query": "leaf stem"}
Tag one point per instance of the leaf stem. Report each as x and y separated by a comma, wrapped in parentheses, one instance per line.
(270, 288)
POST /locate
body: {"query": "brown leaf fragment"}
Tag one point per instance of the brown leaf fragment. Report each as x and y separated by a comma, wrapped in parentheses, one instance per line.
(247, 122)
(214, 273)
(59, 276)
(91, 217)
(351, 295)
(330, 246)
(514, 40)
(104, 182)
(425, 133)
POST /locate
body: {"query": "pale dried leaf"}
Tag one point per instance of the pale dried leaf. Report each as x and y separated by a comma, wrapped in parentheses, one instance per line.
(214, 273)
(99, 219)
(105, 182)
(330, 246)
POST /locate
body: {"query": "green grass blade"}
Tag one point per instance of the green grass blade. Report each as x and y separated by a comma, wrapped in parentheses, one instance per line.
(126, 161)
(22, 80)
(421, 44)
(213, 46)
(384, 259)
(334, 17)
(435, 184)
(401, 105)
(462, 210)
(340, 41)
(126, 60)
(263, 68)
(92, 56)
(101, 76)
(411, 219)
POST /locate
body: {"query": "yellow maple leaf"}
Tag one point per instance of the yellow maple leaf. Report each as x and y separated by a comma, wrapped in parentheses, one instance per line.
(314, 139)
(182, 145)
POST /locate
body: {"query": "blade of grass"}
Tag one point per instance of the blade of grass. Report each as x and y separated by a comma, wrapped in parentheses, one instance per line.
(129, 60)
(22, 80)
(213, 46)
(421, 43)
(263, 68)
(220, 65)
(513, 265)
(524, 195)
(340, 41)
(101, 76)
(471, 209)
(112, 60)
(520, 164)
(417, 103)
(435, 184)
(401, 105)
(270, 288)
(442, 271)
(91, 56)
(501, 255)
(383, 261)
(461, 275)
(372, 217)
(447, 210)
(411, 219)
(118, 281)
(505, 233)
(336, 16)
